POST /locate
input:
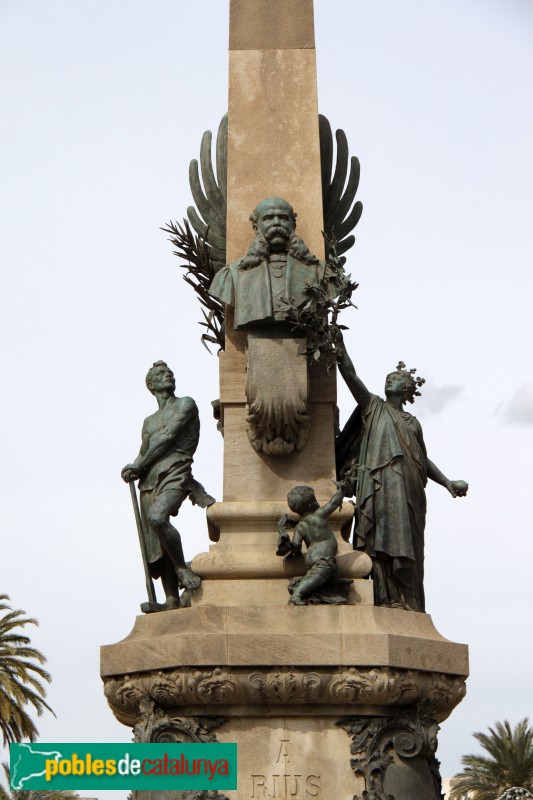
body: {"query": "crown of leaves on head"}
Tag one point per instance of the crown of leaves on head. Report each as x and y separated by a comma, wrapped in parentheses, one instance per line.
(410, 373)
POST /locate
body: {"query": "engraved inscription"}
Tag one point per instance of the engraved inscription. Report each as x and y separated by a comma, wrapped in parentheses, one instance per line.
(285, 787)
(285, 783)
(259, 786)
(283, 751)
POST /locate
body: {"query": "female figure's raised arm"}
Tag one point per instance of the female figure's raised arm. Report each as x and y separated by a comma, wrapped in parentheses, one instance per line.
(352, 380)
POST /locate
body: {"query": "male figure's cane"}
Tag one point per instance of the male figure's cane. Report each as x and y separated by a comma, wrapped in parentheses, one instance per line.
(152, 604)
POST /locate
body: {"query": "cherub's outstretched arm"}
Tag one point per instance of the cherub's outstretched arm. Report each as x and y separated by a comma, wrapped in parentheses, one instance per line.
(332, 504)
(345, 488)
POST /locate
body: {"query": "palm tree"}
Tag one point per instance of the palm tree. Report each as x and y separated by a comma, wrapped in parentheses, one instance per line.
(32, 794)
(509, 764)
(21, 677)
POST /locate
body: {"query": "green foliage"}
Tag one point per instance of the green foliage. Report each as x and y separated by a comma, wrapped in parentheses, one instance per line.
(22, 677)
(508, 763)
(200, 272)
(7, 794)
(318, 314)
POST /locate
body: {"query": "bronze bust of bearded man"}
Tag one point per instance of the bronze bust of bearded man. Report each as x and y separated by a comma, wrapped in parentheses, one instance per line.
(274, 274)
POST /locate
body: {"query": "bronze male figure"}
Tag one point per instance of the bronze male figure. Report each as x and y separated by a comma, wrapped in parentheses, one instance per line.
(163, 467)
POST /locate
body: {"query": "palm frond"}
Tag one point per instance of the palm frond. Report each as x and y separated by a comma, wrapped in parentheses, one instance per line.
(22, 677)
(509, 763)
(200, 271)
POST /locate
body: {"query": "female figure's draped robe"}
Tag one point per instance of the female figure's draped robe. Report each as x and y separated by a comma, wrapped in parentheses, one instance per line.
(391, 503)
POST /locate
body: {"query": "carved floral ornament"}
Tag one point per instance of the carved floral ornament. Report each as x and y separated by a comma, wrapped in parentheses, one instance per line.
(223, 686)
(383, 747)
(154, 725)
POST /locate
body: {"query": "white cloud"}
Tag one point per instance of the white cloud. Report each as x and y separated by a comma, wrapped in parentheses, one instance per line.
(519, 409)
(435, 398)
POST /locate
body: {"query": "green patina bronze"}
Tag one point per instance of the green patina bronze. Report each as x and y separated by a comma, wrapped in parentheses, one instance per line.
(340, 174)
(392, 471)
(321, 583)
(164, 470)
(275, 276)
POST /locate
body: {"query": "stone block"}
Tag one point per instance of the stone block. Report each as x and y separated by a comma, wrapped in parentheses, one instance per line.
(272, 25)
(360, 635)
(291, 757)
(273, 142)
(249, 475)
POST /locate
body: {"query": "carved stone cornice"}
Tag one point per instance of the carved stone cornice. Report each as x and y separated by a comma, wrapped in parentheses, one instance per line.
(224, 687)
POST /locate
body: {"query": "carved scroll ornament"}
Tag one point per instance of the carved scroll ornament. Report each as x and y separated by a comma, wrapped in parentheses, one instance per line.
(396, 755)
(225, 687)
(277, 419)
(154, 725)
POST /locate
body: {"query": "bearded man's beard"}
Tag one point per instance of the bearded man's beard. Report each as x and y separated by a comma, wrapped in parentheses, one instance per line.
(273, 233)
(260, 250)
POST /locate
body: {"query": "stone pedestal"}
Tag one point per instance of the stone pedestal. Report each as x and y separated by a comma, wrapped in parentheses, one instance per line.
(242, 568)
(297, 688)
(316, 697)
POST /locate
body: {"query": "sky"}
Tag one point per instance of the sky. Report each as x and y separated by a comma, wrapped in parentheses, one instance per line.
(102, 106)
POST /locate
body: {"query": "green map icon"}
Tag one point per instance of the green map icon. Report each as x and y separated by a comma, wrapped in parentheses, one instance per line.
(29, 763)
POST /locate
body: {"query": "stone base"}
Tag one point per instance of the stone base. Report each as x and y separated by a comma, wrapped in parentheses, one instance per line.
(291, 757)
(266, 593)
(242, 568)
(309, 756)
(239, 660)
(301, 757)
(319, 635)
(300, 689)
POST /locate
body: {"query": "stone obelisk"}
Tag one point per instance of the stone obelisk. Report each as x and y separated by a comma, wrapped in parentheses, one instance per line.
(273, 149)
(273, 143)
(302, 690)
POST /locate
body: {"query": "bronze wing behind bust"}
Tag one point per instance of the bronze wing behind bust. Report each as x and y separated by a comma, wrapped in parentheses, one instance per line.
(341, 213)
